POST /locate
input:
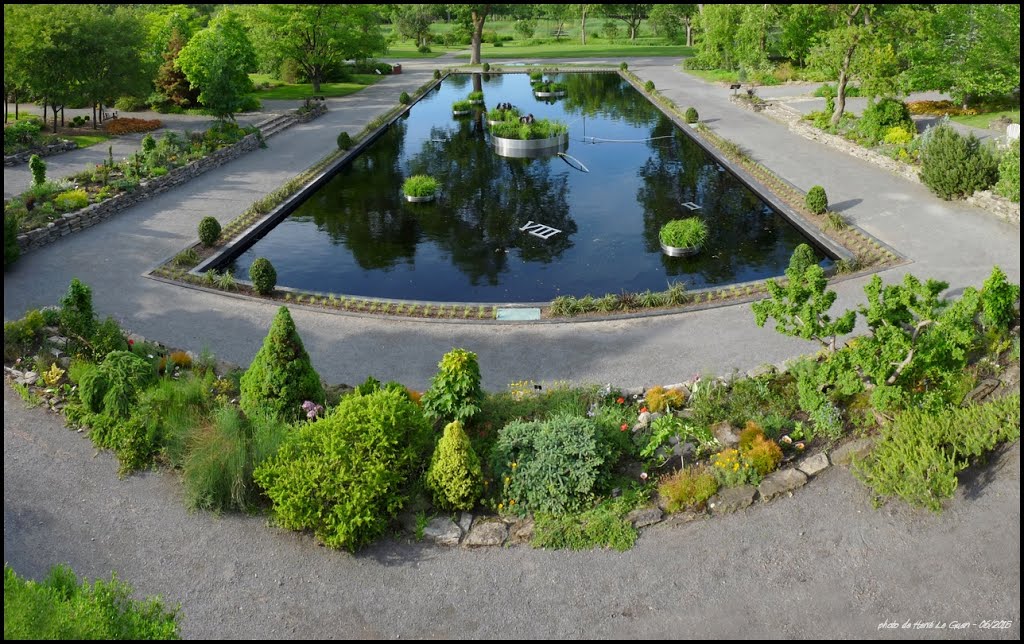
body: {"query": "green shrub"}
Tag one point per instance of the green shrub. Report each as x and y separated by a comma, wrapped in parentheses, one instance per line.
(691, 116)
(730, 469)
(486, 67)
(1009, 173)
(38, 168)
(186, 258)
(21, 335)
(61, 608)
(454, 392)
(76, 313)
(462, 106)
(11, 249)
(404, 98)
(437, 74)
(148, 143)
(687, 488)
(344, 141)
(623, 65)
(691, 232)
(998, 297)
(92, 387)
(343, 476)
(455, 478)
(71, 200)
(816, 200)
(649, 86)
(763, 454)
(263, 276)
(209, 231)
(548, 466)
(539, 129)
(127, 375)
(420, 185)
(882, 115)
(131, 104)
(602, 527)
(475, 96)
(898, 136)
(281, 376)
(920, 453)
(953, 166)
(107, 337)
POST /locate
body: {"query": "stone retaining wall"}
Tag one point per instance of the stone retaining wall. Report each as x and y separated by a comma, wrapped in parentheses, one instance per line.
(94, 213)
(316, 112)
(45, 151)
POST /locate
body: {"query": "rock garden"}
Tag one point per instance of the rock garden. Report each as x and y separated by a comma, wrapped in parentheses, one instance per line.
(930, 389)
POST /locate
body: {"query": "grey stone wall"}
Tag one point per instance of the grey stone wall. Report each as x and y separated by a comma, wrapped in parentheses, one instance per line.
(45, 151)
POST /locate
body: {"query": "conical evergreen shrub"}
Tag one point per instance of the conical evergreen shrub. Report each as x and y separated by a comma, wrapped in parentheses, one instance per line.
(281, 376)
(455, 478)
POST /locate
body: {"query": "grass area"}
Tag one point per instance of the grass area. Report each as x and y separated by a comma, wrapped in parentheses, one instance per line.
(407, 50)
(984, 120)
(714, 75)
(299, 91)
(85, 140)
(569, 49)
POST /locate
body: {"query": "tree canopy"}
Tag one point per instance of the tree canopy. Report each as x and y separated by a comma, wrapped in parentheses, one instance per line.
(217, 61)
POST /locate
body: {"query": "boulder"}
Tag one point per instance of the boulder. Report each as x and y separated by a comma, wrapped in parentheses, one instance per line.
(780, 482)
(731, 499)
(520, 532)
(644, 517)
(442, 531)
(846, 452)
(486, 533)
(813, 464)
(725, 434)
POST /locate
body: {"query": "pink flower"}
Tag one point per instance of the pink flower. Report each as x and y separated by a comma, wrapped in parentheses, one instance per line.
(624, 427)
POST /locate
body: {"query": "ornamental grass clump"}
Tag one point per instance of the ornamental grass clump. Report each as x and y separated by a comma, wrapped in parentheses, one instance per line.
(462, 106)
(420, 185)
(281, 376)
(455, 479)
(691, 232)
(539, 129)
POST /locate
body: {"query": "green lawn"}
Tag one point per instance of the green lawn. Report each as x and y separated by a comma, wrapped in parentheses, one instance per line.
(983, 120)
(85, 140)
(299, 91)
(407, 50)
(569, 49)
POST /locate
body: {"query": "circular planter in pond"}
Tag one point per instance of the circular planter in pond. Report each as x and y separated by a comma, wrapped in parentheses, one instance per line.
(477, 102)
(424, 199)
(461, 112)
(557, 94)
(530, 148)
(676, 251)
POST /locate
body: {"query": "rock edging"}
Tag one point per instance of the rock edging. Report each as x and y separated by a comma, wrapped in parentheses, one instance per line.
(92, 214)
(314, 112)
(45, 151)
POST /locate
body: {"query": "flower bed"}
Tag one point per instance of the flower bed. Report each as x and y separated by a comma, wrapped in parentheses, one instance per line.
(704, 446)
(45, 214)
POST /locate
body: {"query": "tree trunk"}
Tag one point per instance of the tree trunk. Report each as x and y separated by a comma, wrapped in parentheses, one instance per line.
(633, 26)
(478, 32)
(54, 108)
(844, 78)
(583, 26)
(95, 125)
(689, 33)
(316, 82)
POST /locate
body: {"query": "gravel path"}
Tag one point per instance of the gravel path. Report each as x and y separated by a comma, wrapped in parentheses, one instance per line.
(821, 564)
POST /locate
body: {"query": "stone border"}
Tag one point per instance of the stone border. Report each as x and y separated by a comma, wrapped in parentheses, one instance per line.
(316, 112)
(92, 214)
(45, 151)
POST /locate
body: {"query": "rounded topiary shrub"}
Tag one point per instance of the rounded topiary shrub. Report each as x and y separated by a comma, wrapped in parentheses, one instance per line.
(649, 86)
(344, 141)
(209, 231)
(623, 65)
(404, 98)
(953, 166)
(263, 276)
(437, 74)
(455, 478)
(486, 67)
(345, 476)
(691, 115)
(455, 392)
(548, 466)
(816, 200)
(281, 376)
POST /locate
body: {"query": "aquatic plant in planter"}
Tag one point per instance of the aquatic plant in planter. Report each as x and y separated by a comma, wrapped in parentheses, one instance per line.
(539, 129)
(476, 98)
(549, 88)
(683, 237)
(503, 112)
(419, 188)
(461, 108)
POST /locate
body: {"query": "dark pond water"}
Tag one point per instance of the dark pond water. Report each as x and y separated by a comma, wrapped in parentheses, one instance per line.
(358, 236)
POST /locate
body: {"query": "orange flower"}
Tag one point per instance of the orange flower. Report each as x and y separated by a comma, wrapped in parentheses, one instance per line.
(620, 400)
(624, 427)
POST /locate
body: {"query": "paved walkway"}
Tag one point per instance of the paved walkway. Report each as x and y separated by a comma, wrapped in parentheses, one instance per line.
(822, 564)
(949, 241)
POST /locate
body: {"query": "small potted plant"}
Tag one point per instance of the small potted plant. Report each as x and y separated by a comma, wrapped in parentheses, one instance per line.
(420, 188)
(549, 89)
(475, 98)
(683, 237)
(461, 108)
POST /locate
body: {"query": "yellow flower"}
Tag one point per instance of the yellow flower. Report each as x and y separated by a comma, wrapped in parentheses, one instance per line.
(515, 465)
(507, 479)
(512, 502)
(500, 506)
